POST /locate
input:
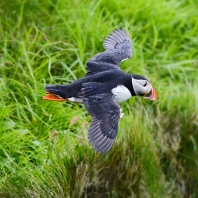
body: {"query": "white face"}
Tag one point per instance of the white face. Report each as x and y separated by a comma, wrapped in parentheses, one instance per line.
(141, 87)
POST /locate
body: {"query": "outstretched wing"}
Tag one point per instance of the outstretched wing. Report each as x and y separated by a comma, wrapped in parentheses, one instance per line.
(96, 67)
(119, 39)
(117, 49)
(105, 117)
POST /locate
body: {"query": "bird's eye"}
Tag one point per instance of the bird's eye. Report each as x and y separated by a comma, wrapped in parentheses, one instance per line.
(145, 84)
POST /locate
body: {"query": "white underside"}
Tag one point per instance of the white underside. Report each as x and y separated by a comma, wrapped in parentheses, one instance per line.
(78, 100)
(121, 93)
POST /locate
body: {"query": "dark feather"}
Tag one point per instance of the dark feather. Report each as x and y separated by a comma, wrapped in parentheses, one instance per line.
(105, 117)
(117, 48)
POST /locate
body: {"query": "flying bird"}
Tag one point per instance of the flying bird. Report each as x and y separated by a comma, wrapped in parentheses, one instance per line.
(103, 87)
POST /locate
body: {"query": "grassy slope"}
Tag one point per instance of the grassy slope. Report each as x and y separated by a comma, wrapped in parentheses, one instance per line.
(155, 153)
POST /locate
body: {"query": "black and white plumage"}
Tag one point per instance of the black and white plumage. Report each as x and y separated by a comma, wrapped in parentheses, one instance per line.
(103, 87)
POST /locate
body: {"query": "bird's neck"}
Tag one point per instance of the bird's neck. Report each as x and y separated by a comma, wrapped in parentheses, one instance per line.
(128, 84)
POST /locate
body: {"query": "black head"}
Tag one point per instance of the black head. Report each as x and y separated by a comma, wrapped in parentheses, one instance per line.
(142, 87)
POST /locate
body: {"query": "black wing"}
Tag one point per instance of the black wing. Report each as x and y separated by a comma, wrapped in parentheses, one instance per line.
(117, 49)
(105, 117)
(96, 67)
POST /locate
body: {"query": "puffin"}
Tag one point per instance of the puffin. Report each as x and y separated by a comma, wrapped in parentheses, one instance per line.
(103, 88)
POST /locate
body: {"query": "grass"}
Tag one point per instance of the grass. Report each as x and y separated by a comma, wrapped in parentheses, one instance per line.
(44, 150)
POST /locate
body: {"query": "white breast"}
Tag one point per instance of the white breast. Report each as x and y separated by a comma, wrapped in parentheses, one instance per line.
(121, 93)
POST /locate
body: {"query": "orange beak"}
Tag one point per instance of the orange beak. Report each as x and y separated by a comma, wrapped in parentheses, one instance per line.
(53, 97)
(153, 95)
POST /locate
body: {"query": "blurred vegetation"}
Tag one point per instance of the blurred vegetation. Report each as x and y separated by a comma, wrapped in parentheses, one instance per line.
(44, 149)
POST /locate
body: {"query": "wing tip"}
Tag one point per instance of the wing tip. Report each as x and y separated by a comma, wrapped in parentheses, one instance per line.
(104, 147)
(118, 35)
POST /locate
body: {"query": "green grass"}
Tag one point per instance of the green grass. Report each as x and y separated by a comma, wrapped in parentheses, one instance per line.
(44, 149)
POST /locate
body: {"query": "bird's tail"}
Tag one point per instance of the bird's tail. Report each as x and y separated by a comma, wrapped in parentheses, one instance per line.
(54, 93)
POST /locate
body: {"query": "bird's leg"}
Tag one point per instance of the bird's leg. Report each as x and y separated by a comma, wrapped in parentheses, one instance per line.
(121, 113)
